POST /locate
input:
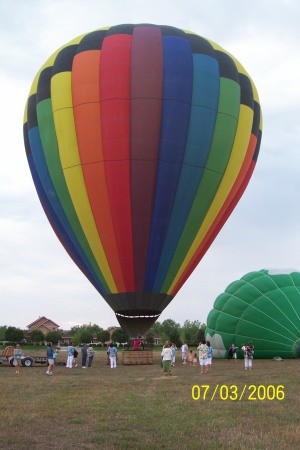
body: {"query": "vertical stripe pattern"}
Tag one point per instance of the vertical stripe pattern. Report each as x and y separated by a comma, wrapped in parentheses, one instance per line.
(140, 139)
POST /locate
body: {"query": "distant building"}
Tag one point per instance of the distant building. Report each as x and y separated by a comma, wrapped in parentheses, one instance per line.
(156, 340)
(66, 338)
(43, 324)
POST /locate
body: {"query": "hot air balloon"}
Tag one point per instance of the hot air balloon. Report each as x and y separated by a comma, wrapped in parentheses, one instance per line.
(262, 307)
(140, 140)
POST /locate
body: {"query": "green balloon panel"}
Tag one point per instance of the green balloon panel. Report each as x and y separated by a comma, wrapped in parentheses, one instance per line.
(262, 307)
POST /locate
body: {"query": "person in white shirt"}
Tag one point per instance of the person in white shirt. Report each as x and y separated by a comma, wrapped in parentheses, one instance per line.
(203, 349)
(184, 350)
(166, 358)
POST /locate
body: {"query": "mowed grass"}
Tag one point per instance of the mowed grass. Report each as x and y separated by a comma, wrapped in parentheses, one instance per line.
(137, 407)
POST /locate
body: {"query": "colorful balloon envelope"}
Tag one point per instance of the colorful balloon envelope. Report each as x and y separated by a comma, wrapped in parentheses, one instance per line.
(262, 307)
(140, 139)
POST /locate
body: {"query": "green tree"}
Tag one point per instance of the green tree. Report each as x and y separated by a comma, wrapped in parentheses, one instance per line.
(150, 338)
(103, 335)
(37, 336)
(201, 332)
(74, 330)
(84, 333)
(187, 336)
(120, 335)
(76, 338)
(175, 337)
(190, 331)
(95, 328)
(168, 327)
(13, 334)
(3, 329)
(53, 336)
(156, 329)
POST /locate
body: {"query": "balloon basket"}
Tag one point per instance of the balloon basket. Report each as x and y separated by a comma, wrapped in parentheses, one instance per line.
(137, 357)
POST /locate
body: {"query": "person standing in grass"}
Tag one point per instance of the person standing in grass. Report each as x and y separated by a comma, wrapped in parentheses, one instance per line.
(83, 356)
(70, 356)
(173, 352)
(184, 350)
(190, 356)
(50, 358)
(18, 353)
(244, 348)
(112, 352)
(249, 356)
(166, 358)
(75, 354)
(232, 352)
(209, 355)
(203, 356)
(90, 353)
(195, 359)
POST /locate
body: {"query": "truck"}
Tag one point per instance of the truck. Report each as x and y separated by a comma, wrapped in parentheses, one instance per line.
(7, 357)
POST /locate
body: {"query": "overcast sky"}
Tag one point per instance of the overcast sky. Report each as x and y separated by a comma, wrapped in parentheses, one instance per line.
(37, 276)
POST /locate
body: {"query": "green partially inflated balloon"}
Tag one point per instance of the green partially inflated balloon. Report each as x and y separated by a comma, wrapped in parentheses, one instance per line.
(262, 307)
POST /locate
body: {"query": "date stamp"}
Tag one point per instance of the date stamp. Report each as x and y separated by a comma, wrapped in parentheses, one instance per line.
(251, 392)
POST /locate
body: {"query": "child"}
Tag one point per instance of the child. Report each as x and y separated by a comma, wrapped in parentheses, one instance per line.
(195, 360)
(190, 357)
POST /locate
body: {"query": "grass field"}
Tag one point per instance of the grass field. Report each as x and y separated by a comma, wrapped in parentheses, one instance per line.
(137, 407)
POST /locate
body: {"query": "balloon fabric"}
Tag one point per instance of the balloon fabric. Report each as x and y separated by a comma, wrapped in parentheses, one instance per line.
(262, 307)
(140, 139)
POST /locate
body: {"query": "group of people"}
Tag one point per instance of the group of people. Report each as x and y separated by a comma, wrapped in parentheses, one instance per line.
(248, 351)
(168, 355)
(87, 353)
(204, 356)
(71, 357)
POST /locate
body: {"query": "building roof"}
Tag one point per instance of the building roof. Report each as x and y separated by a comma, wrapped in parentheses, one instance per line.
(43, 321)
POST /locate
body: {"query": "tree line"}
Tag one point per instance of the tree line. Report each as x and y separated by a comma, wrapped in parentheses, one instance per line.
(168, 330)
